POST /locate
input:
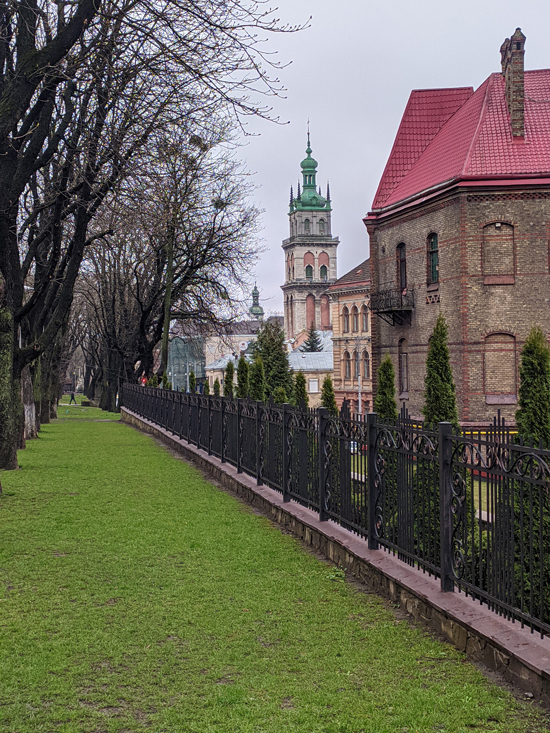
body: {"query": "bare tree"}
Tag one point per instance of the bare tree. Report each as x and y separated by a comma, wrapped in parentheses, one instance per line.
(82, 87)
(183, 242)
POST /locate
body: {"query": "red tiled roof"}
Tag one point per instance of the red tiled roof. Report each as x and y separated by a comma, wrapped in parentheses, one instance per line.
(426, 113)
(476, 141)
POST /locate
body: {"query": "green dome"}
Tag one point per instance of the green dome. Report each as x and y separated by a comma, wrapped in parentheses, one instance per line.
(309, 163)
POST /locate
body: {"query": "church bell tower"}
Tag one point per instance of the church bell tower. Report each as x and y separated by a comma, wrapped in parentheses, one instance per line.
(310, 254)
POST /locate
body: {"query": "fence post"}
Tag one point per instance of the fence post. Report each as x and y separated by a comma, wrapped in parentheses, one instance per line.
(321, 438)
(223, 430)
(372, 420)
(239, 435)
(188, 436)
(258, 444)
(180, 414)
(209, 398)
(286, 456)
(446, 519)
(199, 410)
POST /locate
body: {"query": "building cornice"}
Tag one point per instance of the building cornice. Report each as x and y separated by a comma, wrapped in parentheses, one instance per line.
(493, 184)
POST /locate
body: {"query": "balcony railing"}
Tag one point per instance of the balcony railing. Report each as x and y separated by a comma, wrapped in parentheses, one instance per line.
(393, 305)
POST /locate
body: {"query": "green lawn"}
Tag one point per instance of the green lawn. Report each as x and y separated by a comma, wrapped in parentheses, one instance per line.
(136, 596)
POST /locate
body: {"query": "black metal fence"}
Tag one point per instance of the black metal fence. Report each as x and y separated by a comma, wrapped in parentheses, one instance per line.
(472, 510)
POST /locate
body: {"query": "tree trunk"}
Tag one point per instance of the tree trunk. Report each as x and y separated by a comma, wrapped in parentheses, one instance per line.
(36, 374)
(10, 398)
(115, 371)
(27, 396)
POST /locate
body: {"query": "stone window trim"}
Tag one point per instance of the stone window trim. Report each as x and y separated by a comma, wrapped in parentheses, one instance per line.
(313, 385)
(364, 319)
(355, 319)
(366, 365)
(346, 371)
(345, 319)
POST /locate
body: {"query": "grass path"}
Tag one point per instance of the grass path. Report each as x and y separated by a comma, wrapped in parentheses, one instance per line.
(135, 596)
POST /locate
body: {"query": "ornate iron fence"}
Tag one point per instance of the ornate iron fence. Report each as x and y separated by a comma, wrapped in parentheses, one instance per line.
(472, 509)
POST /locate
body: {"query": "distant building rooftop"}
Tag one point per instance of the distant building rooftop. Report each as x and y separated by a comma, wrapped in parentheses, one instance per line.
(317, 361)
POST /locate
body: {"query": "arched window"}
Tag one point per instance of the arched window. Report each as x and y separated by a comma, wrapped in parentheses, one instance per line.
(356, 364)
(321, 226)
(347, 365)
(309, 272)
(366, 365)
(401, 257)
(433, 259)
(306, 226)
(324, 262)
(403, 358)
(292, 265)
(345, 320)
(364, 319)
(354, 319)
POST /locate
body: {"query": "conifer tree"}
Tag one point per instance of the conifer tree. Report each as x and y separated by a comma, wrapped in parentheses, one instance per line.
(279, 395)
(328, 398)
(533, 416)
(216, 387)
(192, 381)
(384, 403)
(206, 390)
(228, 379)
(313, 342)
(439, 386)
(242, 378)
(270, 347)
(300, 391)
(257, 380)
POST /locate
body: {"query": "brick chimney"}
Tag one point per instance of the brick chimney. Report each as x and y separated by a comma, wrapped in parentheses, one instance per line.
(512, 52)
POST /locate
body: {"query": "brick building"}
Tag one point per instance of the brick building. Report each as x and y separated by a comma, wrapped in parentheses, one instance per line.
(351, 319)
(461, 224)
(310, 255)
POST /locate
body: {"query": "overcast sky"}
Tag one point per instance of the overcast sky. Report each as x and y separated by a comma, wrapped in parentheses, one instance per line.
(351, 74)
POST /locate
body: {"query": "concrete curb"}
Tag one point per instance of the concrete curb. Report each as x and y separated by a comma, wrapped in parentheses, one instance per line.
(521, 657)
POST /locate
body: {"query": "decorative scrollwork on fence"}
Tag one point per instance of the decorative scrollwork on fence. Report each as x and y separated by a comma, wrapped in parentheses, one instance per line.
(326, 458)
(384, 439)
(261, 443)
